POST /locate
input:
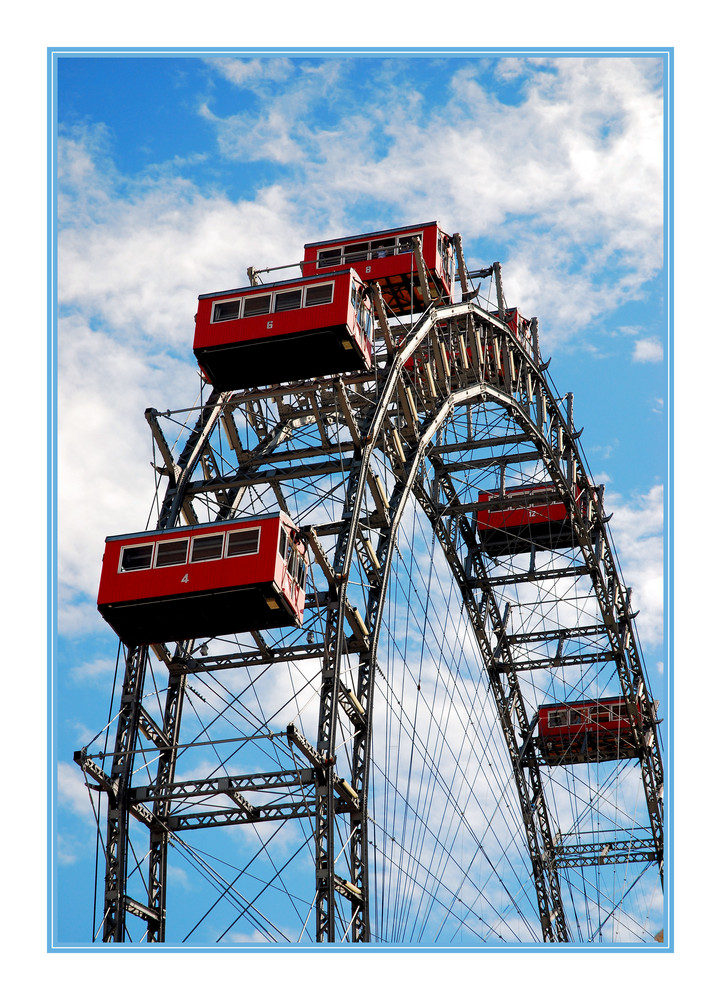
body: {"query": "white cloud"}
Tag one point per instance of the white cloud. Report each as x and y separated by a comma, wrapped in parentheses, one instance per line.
(67, 850)
(648, 349)
(105, 481)
(72, 791)
(569, 178)
(130, 271)
(250, 72)
(255, 937)
(270, 137)
(604, 452)
(573, 168)
(139, 264)
(93, 671)
(637, 529)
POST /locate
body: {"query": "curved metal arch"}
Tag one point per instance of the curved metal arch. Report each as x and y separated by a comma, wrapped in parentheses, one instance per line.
(525, 766)
(532, 800)
(529, 403)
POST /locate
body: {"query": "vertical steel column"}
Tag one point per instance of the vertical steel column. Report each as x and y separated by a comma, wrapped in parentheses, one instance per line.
(158, 861)
(116, 845)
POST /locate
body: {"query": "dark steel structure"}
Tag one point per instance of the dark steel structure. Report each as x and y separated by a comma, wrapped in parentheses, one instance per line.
(457, 405)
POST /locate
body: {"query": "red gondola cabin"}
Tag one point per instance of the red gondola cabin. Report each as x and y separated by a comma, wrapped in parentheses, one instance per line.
(284, 331)
(523, 517)
(519, 326)
(204, 580)
(387, 257)
(581, 732)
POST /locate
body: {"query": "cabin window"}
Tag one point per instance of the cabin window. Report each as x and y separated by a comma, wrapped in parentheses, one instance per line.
(616, 713)
(368, 325)
(364, 318)
(288, 300)
(318, 295)
(257, 305)
(356, 251)
(329, 258)
(577, 718)
(172, 553)
(206, 547)
(556, 719)
(597, 713)
(226, 310)
(136, 557)
(292, 560)
(283, 542)
(387, 246)
(244, 542)
(262, 305)
(383, 248)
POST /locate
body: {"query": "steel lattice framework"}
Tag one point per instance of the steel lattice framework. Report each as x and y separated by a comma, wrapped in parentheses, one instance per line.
(456, 397)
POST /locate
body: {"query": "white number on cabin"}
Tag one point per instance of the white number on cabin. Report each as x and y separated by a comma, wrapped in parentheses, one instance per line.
(185, 579)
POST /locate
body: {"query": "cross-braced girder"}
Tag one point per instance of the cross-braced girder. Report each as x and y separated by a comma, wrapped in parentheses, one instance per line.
(455, 402)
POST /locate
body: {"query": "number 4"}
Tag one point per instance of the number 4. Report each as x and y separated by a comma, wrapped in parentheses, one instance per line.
(185, 579)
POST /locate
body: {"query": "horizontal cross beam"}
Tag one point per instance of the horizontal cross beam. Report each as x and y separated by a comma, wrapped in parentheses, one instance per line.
(546, 663)
(613, 852)
(224, 785)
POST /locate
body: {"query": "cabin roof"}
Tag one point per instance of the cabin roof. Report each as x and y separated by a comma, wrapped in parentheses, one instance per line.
(576, 704)
(187, 529)
(284, 283)
(526, 488)
(369, 236)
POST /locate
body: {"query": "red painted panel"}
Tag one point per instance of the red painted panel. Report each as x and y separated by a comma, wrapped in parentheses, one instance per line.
(266, 566)
(378, 263)
(521, 509)
(584, 732)
(278, 345)
(339, 312)
(597, 708)
(519, 326)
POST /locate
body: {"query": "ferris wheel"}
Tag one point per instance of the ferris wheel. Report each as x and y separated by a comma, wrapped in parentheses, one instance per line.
(380, 675)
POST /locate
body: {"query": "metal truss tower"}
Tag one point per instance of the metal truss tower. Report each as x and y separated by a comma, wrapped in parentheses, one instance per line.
(366, 464)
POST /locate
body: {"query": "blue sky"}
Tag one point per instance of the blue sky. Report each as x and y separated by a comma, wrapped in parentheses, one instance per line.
(176, 173)
(552, 166)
